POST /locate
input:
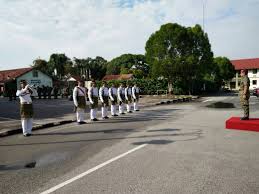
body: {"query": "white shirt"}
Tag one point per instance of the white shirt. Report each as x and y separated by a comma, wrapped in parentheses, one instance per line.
(135, 90)
(104, 91)
(121, 92)
(24, 95)
(112, 92)
(93, 91)
(78, 91)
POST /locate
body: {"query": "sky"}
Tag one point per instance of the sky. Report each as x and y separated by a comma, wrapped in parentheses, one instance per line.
(30, 29)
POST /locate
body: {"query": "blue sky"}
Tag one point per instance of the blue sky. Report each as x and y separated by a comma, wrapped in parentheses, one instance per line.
(87, 28)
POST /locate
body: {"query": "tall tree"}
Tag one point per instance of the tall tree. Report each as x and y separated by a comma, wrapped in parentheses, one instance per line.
(179, 53)
(223, 68)
(128, 63)
(41, 65)
(98, 67)
(60, 63)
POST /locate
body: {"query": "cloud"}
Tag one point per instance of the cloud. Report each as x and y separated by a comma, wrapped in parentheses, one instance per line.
(108, 28)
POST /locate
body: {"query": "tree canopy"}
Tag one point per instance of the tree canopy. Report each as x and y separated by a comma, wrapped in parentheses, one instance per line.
(224, 70)
(129, 63)
(179, 53)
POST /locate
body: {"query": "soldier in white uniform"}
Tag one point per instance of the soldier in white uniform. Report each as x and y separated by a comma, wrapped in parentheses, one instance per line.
(79, 98)
(128, 97)
(113, 98)
(93, 98)
(104, 97)
(26, 108)
(121, 97)
(135, 95)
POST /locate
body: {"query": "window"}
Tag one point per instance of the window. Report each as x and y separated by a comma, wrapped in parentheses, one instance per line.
(35, 74)
(254, 82)
(254, 71)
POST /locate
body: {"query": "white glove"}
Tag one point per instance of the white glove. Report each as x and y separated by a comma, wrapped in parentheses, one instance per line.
(91, 102)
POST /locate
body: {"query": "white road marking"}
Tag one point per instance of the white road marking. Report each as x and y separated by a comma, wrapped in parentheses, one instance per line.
(207, 100)
(91, 170)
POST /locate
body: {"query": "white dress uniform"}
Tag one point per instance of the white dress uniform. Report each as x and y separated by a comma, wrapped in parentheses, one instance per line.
(113, 97)
(135, 95)
(25, 99)
(128, 96)
(79, 98)
(104, 97)
(121, 97)
(93, 98)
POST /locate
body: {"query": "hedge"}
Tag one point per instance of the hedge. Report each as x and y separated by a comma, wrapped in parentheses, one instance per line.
(147, 86)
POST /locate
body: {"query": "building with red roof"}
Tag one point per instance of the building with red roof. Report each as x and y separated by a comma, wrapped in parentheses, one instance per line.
(6, 75)
(32, 76)
(252, 65)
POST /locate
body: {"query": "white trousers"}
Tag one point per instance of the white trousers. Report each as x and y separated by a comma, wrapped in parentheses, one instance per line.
(121, 108)
(135, 106)
(27, 125)
(128, 107)
(104, 112)
(80, 114)
(93, 113)
(113, 109)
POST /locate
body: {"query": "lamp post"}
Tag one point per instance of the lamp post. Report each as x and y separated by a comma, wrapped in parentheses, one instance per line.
(203, 14)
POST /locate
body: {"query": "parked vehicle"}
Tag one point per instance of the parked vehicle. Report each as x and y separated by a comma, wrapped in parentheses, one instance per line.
(256, 92)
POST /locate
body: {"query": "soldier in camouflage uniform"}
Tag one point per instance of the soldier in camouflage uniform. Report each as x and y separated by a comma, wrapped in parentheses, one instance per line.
(244, 93)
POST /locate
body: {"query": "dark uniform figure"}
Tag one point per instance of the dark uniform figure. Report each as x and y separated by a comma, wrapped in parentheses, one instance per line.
(55, 92)
(244, 94)
(44, 91)
(39, 91)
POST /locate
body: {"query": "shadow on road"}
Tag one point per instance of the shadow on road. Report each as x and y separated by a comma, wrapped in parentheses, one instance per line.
(197, 134)
(154, 142)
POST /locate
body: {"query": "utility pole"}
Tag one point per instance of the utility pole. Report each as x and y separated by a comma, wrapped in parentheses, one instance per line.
(203, 14)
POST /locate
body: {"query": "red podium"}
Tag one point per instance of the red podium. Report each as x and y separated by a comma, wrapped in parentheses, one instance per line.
(248, 125)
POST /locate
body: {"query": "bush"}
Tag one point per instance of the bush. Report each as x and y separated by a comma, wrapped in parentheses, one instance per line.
(146, 86)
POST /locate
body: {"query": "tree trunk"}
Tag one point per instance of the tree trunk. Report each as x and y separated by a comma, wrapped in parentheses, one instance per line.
(170, 87)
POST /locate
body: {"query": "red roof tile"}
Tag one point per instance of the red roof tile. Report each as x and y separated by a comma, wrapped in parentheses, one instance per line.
(13, 73)
(118, 77)
(246, 64)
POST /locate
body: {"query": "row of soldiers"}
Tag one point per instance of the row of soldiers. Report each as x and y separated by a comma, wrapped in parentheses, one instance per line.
(116, 96)
(122, 96)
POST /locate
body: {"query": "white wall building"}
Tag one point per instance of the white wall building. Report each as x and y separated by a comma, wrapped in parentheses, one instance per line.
(252, 65)
(32, 76)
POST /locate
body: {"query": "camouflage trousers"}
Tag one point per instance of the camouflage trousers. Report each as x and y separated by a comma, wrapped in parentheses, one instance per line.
(245, 105)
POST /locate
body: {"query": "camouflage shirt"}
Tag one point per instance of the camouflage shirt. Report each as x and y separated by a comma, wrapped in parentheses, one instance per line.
(245, 81)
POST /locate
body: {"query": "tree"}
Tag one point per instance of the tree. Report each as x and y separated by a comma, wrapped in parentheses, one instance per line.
(179, 53)
(98, 67)
(82, 67)
(127, 63)
(41, 65)
(61, 63)
(223, 68)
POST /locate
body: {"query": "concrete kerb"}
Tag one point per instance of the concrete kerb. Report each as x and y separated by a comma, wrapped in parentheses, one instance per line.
(63, 122)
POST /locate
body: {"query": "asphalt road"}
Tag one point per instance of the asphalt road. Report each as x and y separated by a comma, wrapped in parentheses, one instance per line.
(58, 107)
(178, 148)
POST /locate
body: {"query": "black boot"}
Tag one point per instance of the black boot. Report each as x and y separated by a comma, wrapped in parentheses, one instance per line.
(244, 118)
